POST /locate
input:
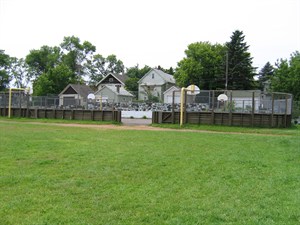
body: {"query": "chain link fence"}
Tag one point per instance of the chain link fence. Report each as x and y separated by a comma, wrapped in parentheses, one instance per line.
(204, 100)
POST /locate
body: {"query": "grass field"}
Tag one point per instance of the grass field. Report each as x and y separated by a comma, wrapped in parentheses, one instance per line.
(71, 175)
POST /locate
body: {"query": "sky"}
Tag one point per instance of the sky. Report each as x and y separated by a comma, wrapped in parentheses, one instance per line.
(152, 33)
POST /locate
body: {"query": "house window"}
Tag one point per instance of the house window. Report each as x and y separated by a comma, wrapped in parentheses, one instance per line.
(111, 80)
(152, 75)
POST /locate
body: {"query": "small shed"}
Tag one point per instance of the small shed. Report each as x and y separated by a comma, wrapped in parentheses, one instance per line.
(74, 95)
(168, 95)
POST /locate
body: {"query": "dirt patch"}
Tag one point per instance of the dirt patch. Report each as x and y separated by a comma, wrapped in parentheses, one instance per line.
(140, 127)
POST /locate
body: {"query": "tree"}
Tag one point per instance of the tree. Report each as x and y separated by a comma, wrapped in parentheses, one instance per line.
(168, 71)
(4, 75)
(135, 74)
(77, 56)
(265, 74)
(286, 76)
(18, 70)
(53, 81)
(59, 66)
(240, 70)
(41, 60)
(101, 67)
(202, 66)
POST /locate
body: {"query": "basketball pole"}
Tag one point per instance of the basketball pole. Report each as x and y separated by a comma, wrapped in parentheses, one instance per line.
(9, 98)
(190, 88)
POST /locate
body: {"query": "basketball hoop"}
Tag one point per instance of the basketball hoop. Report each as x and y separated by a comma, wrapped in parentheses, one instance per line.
(222, 98)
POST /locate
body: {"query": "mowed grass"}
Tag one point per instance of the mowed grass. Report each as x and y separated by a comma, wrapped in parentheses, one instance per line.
(68, 175)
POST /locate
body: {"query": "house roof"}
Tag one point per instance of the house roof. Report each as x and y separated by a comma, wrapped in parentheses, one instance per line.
(166, 77)
(120, 78)
(113, 88)
(82, 90)
(173, 88)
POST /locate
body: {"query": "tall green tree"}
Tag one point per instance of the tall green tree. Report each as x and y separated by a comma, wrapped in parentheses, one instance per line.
(59, 66)
(53, 81)
(4, 75)
(41, 60)
(100, 67)
(170, 71)
(240, 70)
(135, 74)
(18, 70)
(202, 66)
(286, 76)
(265, 74)
(77, 56)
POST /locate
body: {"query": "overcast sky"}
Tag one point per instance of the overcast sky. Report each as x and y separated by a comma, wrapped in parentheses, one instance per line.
(152, 32)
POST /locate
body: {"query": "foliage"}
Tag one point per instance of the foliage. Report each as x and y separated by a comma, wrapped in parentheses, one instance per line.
(53, 81)
(18, 70)
(287, 76)
(53, 68)
(76, 55)
(100, 67)
(170, 71)
(265, 74)
(202, 66)
(240, 69)
(135, 74)
(41, 60)
(4, 75)
(49, 172)
(131, 84)
(72, 61)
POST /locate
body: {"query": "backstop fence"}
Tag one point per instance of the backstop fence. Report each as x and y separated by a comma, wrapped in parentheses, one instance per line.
(228, 107)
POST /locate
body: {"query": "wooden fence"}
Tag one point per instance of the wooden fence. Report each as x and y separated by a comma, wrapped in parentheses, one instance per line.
(66, 114)
(228, 119)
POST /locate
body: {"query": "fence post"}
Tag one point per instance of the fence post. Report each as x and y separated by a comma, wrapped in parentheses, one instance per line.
(92, 115)
(253, 108)
(213, 108)
(72, 114)
(286, 107)
(272, 114)
(4, 104)
(36, 113)
(230, 109)
(184, 107)
(54, 113)
(173, 106)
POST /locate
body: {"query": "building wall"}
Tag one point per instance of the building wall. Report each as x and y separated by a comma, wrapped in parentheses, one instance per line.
(154, 82)
(106, 94)
(110, 96)
(75, 96)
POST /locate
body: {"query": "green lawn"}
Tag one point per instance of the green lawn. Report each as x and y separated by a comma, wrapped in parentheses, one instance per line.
(65, 175)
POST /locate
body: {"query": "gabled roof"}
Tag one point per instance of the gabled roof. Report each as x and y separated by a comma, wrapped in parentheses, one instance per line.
(165, 76)
(82, 90)
(118, 77)
(113, 88)
(173, 88)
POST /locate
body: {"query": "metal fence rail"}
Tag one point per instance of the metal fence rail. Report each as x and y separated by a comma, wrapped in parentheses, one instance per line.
(205, 101)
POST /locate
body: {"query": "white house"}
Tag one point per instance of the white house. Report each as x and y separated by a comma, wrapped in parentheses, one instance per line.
(112, 89)
(154, 84)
